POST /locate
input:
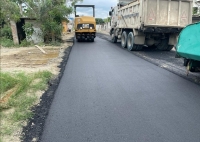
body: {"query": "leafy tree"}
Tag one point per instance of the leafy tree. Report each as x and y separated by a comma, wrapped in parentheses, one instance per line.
(49, 13)
(195, 10)
(99, 21)
(9, 10)
(107, 20)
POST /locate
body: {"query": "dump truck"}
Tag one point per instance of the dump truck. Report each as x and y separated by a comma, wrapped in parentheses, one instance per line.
(149, 23)
(188, 46)
(85, 26)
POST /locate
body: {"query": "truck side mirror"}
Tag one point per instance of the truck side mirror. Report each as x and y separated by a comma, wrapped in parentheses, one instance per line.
(110, 13)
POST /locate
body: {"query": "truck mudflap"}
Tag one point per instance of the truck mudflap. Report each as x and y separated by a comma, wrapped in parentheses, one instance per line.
(188, 45)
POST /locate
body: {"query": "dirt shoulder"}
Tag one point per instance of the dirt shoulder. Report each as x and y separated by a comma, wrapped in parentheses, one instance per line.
(32, 60)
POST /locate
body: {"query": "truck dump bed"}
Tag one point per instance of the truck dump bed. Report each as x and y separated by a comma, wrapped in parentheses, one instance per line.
(156, 13)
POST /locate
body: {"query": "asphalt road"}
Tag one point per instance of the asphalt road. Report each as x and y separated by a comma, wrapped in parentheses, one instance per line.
(163, 59)
(107, 94)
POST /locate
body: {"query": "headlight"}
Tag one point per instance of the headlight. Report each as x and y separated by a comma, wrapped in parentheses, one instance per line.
(90, 27)
(81, 28)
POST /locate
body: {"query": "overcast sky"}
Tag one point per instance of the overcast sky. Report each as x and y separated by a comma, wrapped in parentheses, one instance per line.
(102, 7)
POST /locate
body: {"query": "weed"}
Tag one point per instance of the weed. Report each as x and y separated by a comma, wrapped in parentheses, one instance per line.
(7, 82)
(22, 99)
(6, 32)
(5, 42)
(25, 43)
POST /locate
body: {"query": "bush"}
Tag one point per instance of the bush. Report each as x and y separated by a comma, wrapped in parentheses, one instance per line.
(195, 10)
(6, 32)
(25, 43)
(5, 42)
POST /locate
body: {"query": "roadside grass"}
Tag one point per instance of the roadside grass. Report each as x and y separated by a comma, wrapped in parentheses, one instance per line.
(18, 95)
(6, 42)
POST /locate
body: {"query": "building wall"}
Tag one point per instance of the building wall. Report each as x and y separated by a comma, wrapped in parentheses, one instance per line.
(104, 27)
(37, 36)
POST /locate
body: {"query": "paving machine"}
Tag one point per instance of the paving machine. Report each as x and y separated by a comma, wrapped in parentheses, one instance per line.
(85, 26)
(188, 46)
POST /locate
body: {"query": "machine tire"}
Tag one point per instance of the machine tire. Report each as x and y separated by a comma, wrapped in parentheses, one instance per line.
(124, 40)
(92, 40)
(130, 43)
(185, 62)
(192, 69)
(113, 37)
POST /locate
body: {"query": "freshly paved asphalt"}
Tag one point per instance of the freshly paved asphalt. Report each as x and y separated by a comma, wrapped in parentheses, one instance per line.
(107, 94)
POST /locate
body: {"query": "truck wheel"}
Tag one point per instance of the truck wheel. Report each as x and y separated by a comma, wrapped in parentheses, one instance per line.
(139, 47)
(130, 43)
(163, 45)
(169, 48)
(124, 39)
(114, 38)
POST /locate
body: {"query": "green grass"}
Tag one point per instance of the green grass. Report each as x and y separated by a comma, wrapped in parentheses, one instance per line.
(17, 108)
(7, 82)
(5, 42)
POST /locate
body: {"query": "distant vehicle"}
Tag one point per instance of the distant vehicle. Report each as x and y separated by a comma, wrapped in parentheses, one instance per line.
(85, 26)
(188, 46)
(154, 23)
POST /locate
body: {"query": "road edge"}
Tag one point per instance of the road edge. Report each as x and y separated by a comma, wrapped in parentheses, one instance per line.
(32, 132)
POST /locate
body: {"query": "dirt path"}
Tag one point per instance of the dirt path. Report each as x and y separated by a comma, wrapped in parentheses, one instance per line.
(31, 59)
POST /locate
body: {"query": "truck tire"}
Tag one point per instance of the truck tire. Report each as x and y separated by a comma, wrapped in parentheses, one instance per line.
(130, 43)
(124, 40)
(163, 45)
(113, 37)
(169, 48)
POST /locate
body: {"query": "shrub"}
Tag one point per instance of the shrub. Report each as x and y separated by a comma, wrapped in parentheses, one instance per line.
(6, 32)
(25, 43)
(5, 42)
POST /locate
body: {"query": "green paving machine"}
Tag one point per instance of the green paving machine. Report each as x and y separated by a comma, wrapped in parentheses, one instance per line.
(188, 46)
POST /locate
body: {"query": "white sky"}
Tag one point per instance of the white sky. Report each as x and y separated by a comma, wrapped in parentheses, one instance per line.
(102, 7)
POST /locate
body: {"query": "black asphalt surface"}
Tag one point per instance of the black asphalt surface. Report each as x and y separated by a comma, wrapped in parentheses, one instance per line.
(164, 59)
(107, 94)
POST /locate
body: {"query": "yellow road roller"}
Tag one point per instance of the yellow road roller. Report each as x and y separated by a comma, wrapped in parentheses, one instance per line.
(85, 26)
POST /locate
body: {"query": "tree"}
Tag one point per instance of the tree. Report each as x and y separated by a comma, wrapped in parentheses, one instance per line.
(10, 13)
(49, 13)
(9, 10)
(99, 21)
(107, 20)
